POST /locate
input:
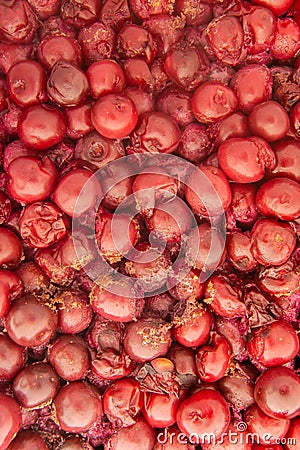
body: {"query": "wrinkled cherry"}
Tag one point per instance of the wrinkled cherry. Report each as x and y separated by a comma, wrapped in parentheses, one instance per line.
(42, 224)
(213, 101)
(122, 401)
(67, 85)
(212, 361)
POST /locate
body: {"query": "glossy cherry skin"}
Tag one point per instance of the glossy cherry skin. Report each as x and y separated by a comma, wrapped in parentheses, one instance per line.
(123, 438)
(235, 125)
(29, 322)
(122, 401)
(11, 251)
(56, 47)
(203, 412)
(42, 224)
(267, 429)
(31, 179)
(27, 440)
(193, 329)
(114, 116)
(276, 392)
(212, 361)
(10, 415)
(224, 102)
(269, 120)
(67, 85)
(78, 406)
(280, 198)
(120, 308)
(252, 85)
(211, 198)
(79, 120)
(274, 344)
(259, 24)
(156, 132)
(74, 312)
(279, 246)
(11, 287)
(137, 73)
(75, 194)
(26, 82)
(160, 409)
(105, 77)
(35, 385)
(13, 358)
(245, 160)
(277, 7)
(41, 127)
(146, 339)
(70, 357)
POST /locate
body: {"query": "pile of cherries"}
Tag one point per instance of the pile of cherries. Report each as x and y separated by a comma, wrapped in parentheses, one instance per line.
(84, 83)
